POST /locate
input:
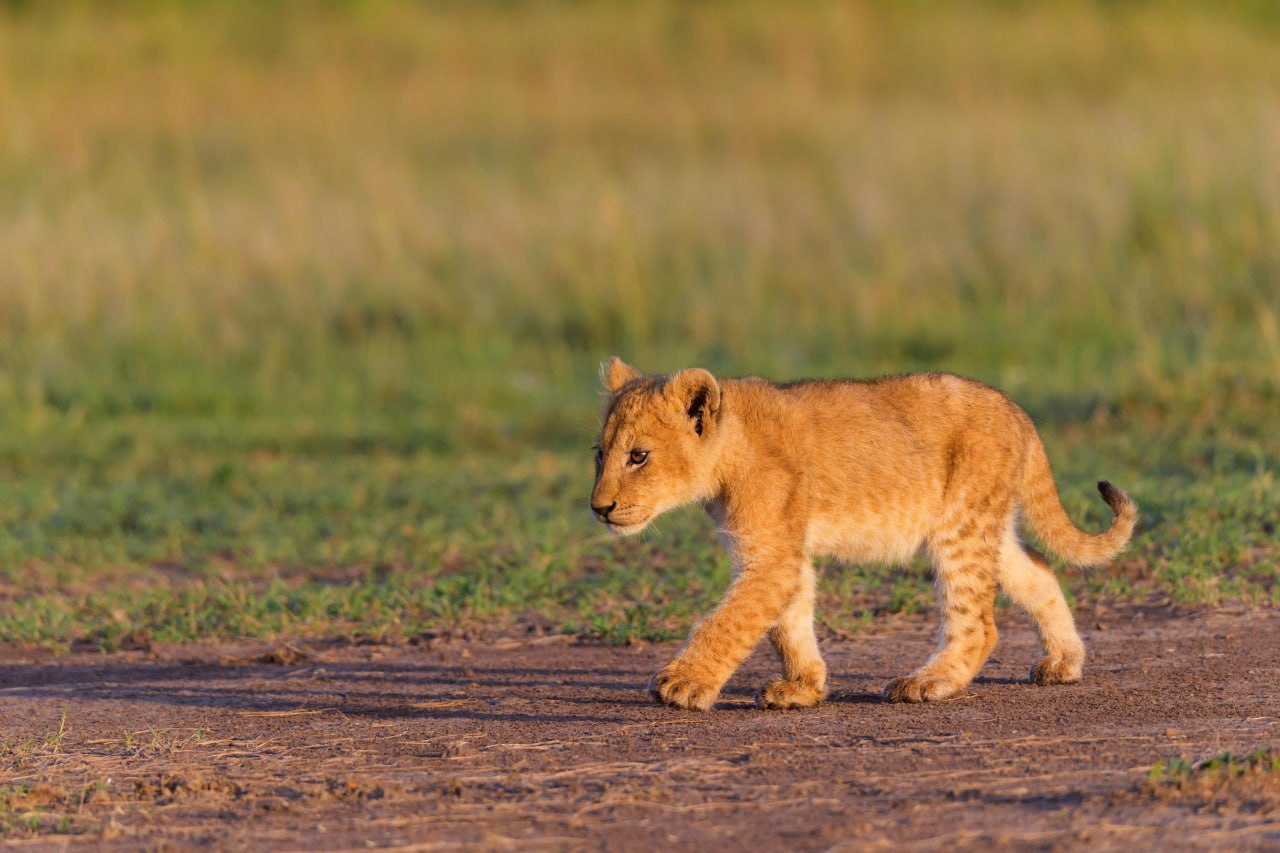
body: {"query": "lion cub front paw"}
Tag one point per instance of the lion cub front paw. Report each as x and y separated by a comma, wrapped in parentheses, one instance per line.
(782, 694)
(675, 686)
(920, 688)
(1051, 670)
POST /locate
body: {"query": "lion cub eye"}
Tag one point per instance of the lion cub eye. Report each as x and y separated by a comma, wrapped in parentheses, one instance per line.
(637, 457)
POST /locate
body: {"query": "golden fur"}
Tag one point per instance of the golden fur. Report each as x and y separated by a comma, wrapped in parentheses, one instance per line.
(863, 471)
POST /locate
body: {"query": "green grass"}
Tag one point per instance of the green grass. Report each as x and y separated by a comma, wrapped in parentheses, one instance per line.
(1221, 767)
(300, 308)
(28, 810)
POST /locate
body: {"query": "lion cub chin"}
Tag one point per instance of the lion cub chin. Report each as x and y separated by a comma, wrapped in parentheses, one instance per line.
(862, 471)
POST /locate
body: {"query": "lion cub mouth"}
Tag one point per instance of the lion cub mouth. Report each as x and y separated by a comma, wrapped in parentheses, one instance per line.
(627, 525)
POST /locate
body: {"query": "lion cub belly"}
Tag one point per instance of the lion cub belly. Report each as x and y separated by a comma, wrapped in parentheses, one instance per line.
(865, 540)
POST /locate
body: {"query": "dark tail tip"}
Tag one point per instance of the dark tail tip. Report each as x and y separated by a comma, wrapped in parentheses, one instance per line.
(1113, 496)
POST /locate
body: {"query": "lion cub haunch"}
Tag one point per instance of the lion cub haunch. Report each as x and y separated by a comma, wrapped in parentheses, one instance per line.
(860, 470)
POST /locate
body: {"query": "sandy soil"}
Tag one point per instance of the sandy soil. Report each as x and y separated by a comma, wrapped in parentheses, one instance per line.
(544, 744)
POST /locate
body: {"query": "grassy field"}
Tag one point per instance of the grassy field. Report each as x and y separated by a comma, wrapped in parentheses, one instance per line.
(301, 306)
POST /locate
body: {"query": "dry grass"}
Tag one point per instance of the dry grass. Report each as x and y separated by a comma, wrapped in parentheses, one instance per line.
(603, 176)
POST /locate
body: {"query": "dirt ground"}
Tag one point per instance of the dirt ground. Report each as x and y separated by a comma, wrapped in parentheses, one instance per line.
(545, 744)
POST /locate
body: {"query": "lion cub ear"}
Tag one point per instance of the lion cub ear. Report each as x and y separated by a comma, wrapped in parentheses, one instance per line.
(697, 394)
(615, 373)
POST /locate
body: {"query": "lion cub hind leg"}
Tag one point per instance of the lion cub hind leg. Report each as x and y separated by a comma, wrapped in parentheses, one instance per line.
(989, 628)
(804, 675)
(1027, 579)
(965, 568)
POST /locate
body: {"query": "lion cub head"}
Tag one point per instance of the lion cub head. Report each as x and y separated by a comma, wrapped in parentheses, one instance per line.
(658, 446)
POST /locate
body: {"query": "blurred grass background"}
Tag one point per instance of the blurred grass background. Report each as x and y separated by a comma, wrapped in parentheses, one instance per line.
(301, 304)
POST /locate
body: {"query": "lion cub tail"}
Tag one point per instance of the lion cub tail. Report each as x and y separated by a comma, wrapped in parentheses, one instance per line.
(1043, 508)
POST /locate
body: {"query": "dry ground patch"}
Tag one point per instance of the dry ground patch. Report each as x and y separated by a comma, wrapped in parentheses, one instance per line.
(548, 744)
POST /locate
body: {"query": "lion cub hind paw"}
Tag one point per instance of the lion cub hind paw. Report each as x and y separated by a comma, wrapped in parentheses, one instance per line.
(782, 694)
(680, 691)
(1056, 671)
(920, 688)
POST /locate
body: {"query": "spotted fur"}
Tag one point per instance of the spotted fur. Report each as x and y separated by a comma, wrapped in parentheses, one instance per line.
(862, 471)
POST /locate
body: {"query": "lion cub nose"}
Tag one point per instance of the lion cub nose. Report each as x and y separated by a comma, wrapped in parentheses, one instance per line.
(603, 511)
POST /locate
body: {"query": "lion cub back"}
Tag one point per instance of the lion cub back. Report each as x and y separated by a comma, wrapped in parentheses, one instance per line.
(886, 464)
(883, 461)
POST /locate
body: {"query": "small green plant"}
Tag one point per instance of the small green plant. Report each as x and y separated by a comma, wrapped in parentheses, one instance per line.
(53, 741)
(92, 790)
(1226, 765)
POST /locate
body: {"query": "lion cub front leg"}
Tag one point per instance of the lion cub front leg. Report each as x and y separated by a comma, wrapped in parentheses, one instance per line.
(722, 641)
(804, 674)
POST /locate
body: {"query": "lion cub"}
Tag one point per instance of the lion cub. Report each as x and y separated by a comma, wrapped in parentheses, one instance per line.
(862, 471)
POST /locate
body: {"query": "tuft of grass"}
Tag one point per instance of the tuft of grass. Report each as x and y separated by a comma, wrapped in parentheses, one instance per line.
(32, 810)
(1224, 766)
(53, 741)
